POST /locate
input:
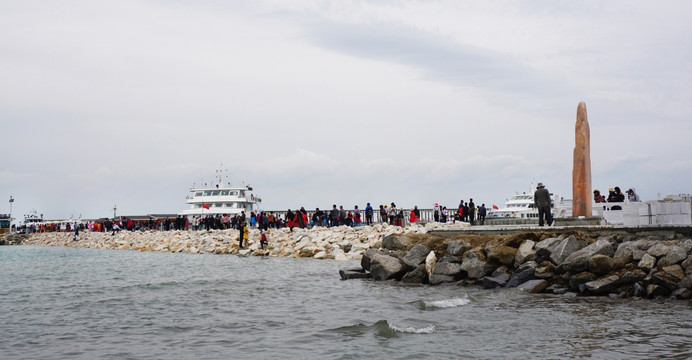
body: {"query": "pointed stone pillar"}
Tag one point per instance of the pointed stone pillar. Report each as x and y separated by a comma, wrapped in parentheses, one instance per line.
(581, 170)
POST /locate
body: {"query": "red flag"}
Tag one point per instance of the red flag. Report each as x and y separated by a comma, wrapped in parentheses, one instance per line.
(205, 206)
(495, 207)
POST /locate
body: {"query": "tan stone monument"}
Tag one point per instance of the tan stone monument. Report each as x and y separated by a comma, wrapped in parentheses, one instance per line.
(581, 170)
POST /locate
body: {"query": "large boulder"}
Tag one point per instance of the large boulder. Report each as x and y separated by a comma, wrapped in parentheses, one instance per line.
(416, 256)
(565, 248)
(502, 254)
(674, 270)
(475, 267)
(674, 255)
(525, 252)
(416, 276)
(658, 250)
(533, 286)
(494, 282)
(666, 280)
(395, 242)
(603, 285)
(624, 254)
(382, 266)
(451, 269)
(545, 247)
(521, 277)
(458, 247)
(647, 262)
(579, 261)
(601, 264)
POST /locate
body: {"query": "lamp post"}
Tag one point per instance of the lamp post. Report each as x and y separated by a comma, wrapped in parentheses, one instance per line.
(11, 201)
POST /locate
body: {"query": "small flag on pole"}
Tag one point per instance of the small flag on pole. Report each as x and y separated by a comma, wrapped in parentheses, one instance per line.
(495, 207)
(205, 206)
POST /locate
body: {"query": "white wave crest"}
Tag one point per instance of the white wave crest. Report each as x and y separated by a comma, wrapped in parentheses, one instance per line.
(448, 303)
(411, 330)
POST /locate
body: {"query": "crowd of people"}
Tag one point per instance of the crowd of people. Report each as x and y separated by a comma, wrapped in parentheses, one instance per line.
(615, 195)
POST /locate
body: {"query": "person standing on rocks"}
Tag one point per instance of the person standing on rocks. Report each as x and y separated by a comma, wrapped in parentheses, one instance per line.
(242, 228)
(368, 214)
(541, 200)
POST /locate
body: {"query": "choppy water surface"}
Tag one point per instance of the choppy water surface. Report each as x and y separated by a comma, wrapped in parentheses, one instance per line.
(83, 303)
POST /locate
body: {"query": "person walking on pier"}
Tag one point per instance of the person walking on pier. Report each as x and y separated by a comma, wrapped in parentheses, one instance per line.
(541, 200)
(472, 212)
(368, 214)
(481, 213)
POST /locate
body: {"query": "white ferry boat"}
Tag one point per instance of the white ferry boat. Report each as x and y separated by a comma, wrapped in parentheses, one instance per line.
(521, 206)
(220, 198)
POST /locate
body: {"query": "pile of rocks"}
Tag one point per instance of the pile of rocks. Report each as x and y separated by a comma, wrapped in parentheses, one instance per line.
(567, 264)
(339, 243)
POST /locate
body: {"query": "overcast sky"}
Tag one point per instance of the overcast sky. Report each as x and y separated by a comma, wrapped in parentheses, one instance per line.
(316, 103)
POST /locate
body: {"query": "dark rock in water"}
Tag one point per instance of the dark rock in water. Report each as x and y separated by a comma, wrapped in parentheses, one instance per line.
(556, 289)
(502, 270)
(601, 264)
(638, 290)
(383, 266)
(349, 274)
(580, 279)
(666, 280)
(569, 294)
(436, 279)
(416, 256)
(491, 282)
(520, 278)
(365, 260)
(458, 248)
(579, 261)
(603, 285)
(654, 290)
(631, 276)
(686, 282)
(682, 294)
(565, 248)
(450, 259)
(395, 242)
(533, 286)
(416, 276)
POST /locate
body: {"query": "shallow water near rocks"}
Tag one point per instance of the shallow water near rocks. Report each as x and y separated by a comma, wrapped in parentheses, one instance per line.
(85, 303)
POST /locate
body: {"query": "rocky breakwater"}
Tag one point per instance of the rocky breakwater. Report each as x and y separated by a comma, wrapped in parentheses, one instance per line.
(571, 263)
(339, 243)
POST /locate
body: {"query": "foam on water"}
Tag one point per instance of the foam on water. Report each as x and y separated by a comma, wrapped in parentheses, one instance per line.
(448, 303)
(412, 330)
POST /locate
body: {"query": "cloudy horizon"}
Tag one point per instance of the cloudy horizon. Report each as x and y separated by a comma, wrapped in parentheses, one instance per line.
(316, 103)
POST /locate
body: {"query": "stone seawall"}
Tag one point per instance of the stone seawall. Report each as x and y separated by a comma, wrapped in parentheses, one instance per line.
(616, 263)
(339, 243)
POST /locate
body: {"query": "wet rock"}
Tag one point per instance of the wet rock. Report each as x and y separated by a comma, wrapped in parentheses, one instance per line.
(665, 280)
(556, 289)
(686, 282)
(653, 290)
(682, 294)
(603, 285)
(521, 277)
(348, 274)
(416, 256)
(579, 260)
(395, 242)
(525, 253)
(492, 282)
(565, 248)
(545, 270)
(631, 276)
(674, 255)
(437, 279)
(600, 264)
(502, 270)
(384, 266)
(458, 248)
(533, 286)
(578, 280)
(451, 269)
(502, 254)
(416, 276)
(647, 262)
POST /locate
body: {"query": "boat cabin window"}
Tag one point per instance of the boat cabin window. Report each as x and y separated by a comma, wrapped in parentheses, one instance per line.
(217, 205)
(233, 193)
(229, 205)
(224, 192)
(199, 193)
(207, 193)
(215, 193)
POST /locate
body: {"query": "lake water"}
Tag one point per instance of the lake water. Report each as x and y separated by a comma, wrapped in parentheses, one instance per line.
(84, 303)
